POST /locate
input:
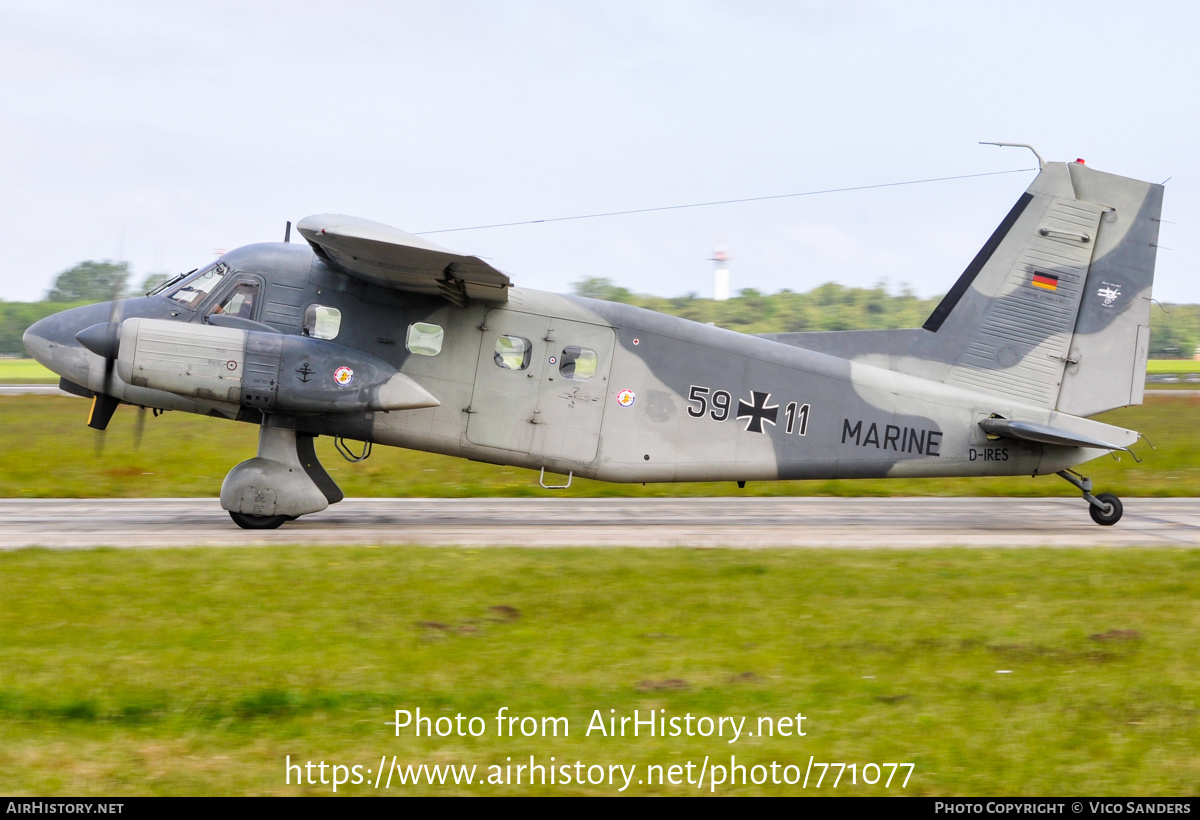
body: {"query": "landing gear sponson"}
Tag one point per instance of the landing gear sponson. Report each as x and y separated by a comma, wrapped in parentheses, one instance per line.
(1105, 508)
(283, 482)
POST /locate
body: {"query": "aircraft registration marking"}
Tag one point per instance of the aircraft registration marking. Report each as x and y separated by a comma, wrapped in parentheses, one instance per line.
(757, 411)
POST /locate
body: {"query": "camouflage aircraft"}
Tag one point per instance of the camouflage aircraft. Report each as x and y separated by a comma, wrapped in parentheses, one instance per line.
(370, 334)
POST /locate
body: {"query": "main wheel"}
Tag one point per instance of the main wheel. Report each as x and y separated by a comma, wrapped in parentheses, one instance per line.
(258, 522)
(1111, 513)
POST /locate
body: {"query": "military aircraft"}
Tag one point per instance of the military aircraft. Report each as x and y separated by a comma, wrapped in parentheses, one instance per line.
(373, 335)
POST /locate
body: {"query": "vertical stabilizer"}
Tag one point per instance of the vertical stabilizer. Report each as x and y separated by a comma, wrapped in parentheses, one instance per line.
(1054, 308)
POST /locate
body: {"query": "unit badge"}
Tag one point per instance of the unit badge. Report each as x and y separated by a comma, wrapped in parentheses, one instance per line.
(1109, 293)
(343, 376)
(626, 398)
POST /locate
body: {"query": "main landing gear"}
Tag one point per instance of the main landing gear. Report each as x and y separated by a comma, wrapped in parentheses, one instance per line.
(1105, 508)
(283, 482)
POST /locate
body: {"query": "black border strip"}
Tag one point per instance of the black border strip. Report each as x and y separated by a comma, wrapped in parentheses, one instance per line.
(950, 300)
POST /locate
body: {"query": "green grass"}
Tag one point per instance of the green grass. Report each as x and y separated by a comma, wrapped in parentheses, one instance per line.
(197, 671)
(25, 371)
(1173, 366)
(51, 453)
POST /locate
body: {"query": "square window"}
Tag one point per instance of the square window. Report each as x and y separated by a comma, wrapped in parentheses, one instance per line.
(512, 352)
(578, 363)
(425, 339)
(322, 322)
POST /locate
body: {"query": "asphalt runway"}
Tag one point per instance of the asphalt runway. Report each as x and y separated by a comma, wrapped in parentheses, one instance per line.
(746, 523)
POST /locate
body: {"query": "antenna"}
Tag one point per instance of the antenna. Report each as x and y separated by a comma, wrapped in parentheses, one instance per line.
(287, 233)
(1041, 162)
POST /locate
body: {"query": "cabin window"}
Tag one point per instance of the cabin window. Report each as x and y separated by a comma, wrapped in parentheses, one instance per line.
(577, 363)
(425, 339)
(322, 322)
(512, 352)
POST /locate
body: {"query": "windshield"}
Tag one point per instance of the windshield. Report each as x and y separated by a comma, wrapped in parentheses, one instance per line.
(195, 288)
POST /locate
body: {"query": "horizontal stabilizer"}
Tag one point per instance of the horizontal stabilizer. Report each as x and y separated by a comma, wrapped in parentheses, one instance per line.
(1044, 434)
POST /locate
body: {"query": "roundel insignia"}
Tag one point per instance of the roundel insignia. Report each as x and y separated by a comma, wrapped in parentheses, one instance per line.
(343, 376)
(626, 397)
(553, 360)
(231, 365)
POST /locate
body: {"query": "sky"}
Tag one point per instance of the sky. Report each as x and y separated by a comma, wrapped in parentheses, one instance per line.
(166, 133)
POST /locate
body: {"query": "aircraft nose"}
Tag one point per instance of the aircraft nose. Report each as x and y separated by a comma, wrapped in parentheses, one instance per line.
(52, 340)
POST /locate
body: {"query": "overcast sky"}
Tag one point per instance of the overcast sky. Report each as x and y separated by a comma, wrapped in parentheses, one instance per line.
(163, 133)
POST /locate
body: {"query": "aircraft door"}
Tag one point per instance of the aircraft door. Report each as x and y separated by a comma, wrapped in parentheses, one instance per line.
(540, 385)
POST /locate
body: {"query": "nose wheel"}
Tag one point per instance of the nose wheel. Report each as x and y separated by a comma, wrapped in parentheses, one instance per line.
(1105, 508)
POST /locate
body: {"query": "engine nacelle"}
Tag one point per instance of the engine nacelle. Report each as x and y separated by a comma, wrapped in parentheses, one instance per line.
(270, 371)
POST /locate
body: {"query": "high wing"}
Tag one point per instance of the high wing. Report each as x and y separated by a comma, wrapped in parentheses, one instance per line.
(390, 257)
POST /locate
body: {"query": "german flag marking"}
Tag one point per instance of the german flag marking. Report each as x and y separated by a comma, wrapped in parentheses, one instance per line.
(1045, 281)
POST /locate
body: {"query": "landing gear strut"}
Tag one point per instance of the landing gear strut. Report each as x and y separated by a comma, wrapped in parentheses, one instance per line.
(1105, 508)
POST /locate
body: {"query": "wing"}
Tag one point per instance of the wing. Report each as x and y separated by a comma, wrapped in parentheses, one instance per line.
(390, 257)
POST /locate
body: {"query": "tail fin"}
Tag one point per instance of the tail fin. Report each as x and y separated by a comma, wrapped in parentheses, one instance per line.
(1054, 310)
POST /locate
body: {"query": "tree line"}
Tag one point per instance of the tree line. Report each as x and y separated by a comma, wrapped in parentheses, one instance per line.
(1174, 329)
(84, 284)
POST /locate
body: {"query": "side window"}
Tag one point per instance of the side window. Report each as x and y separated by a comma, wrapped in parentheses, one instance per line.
(424, 339)
(577, 363)
(240, 301)
(512, 352)
(322, 322)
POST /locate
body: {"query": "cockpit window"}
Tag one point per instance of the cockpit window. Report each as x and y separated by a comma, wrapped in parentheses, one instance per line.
(195, 288)
(240, 301)
(169, 283)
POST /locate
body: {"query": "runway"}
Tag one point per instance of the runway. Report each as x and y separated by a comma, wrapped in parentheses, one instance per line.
(746, 523)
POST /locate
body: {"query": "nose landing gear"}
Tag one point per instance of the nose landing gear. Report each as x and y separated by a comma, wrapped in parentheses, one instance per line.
(1105, 508)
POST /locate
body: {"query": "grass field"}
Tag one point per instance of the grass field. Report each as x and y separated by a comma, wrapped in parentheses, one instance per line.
(51, 453)
(1173, 366)
(25, 371)
(1021, 672)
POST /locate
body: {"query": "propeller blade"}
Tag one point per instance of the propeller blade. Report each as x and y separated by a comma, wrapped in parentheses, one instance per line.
(139, 427)
(103, 407)
(115, 315)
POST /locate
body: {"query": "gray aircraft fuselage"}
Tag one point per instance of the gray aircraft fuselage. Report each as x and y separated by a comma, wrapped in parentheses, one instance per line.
(704, 403)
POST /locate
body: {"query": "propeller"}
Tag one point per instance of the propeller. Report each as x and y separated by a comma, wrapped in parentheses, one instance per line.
(104, 339)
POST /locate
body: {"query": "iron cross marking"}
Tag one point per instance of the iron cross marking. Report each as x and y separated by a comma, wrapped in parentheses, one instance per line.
(758, 412)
